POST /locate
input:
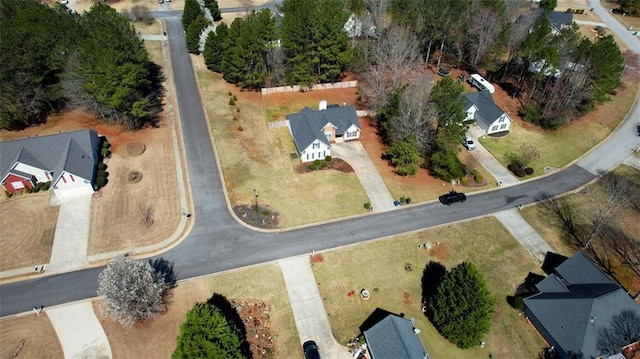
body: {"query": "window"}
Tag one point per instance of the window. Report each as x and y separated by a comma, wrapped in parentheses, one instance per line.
(352, 134)
(494, 128)
(316, 145)
(307, 156)
(17, 185)
(328, 134)
(503, 126)
(501, 119)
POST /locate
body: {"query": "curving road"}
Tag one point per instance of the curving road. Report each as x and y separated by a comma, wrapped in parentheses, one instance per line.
(217, 242)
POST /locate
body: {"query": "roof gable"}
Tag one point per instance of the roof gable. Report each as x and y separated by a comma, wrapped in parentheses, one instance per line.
(392, 337)
(306, 126)
(574, 302)
(73, 152)
(487, 110)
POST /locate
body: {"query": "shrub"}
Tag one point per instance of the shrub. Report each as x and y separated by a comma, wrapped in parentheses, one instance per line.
(519, 172)
(512, 167)
(35, 189)
(240, 128)
(8, 194)
(367, 205)
(478, 178)
(316, 162)
(27, 189)
(46, 186)
(531, 114)
(516, 302)
(237, 109)
(464, 181)
(102, 166)
(106, 144)
(528, 171)
(105, 152)
(229, 93)
(407, 200)
(101, 173)
(101, 181)
(403, 199)
(323, 164)
(313, 167)
(232, 102)
(235, 98)
(328, 158)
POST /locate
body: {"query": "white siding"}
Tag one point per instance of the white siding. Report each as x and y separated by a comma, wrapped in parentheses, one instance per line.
(41, 175)
(310, 154)
(352, 133)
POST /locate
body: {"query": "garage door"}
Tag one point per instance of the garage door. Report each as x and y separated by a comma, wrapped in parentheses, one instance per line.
(75, 191)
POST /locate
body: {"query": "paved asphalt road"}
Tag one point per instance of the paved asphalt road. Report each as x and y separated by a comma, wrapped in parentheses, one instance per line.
(217, 242)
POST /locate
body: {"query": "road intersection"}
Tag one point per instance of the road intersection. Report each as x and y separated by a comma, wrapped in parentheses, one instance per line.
(218, 242)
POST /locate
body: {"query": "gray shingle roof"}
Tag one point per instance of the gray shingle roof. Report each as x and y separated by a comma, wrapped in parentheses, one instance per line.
(306, 125)
(487, 112)
(559, 19)
(574, 303)
(73, 152)
(393, 338)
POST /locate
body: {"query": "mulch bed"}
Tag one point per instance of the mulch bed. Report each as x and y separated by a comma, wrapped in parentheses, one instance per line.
(265, 217)
(256, 318)
(471, 182)
(336, 164)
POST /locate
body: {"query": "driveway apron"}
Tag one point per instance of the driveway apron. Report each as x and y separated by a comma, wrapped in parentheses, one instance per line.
(308, 311)
(71, 237)
(79, 331)
(354, 154)
(486, 159)
(524, 233)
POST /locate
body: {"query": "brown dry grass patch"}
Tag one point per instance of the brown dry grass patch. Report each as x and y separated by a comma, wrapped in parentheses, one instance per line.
(255, 157)
(279, 105)
(380, 268)
(40, 338)
(27, 230)
(263, 283)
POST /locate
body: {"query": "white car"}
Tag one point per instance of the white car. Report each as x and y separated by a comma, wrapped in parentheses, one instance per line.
(469, 144)
(64, 2)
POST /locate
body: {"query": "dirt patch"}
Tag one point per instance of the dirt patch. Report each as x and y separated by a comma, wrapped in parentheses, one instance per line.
(135, 149)
(336, 164)
(261, 216)
(279, 105)
(256, 316)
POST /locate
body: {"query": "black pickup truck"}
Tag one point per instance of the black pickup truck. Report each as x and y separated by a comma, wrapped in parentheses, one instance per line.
(452, 197)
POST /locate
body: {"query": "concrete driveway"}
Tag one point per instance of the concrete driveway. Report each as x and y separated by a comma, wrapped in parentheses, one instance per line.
(69, 250)
(308, 311)
(490, 163)
(353, 153)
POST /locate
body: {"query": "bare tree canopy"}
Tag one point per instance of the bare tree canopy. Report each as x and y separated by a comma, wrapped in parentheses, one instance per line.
(134, 290)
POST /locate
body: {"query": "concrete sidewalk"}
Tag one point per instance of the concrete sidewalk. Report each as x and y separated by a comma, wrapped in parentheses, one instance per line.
(79, 331)
(486, 159)
(70, 245)
(308, 310)
(524, 233)
(377, 191)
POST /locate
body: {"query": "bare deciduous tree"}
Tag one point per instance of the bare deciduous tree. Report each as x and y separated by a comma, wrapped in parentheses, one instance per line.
(132, 291)
(146, 215)
(614, 190)
(483, 32)
(624, 245)
(416, 118)
(141, 13)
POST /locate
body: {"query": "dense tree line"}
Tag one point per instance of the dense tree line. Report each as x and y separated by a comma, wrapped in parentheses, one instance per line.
(212, 329)
(311, 46)
(51, 58)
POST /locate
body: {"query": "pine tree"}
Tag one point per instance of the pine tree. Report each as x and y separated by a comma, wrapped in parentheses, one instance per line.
(607, 63)
(463, 306)
(212, 5)
(194, 31)
(209, 332)
(190, 13)
(215, 47)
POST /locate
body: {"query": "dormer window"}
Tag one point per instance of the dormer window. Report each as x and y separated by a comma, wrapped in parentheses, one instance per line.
(316, 145)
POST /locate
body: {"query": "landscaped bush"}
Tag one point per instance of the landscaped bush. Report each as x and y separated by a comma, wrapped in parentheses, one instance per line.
(519, 172)
(528, 171)
(531, 114)
(316, 162)
(46, 186)
(101, 173)
(35, 189)
(313, 167)
(102, 166)
(516, 302)
(323, 164)
(105, 152)
(101, 181)
(27, 189)
(106, 144)
(408, 200)
(328, 158)
(477, 176)
(464, 181)
(367, 206)
(512, 167)
(232, 102)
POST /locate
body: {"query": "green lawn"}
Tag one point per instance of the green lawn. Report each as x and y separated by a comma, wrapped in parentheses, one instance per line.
(380, 267)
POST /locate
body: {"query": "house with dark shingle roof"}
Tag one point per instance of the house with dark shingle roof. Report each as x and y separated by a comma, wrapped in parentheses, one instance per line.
(390, 336)
(574, 303)
(313, 131)
(480, 107)
(68, 160)
(559, 21)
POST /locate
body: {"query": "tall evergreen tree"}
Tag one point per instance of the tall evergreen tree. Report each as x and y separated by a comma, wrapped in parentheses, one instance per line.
(190, 13)
(212, 5)
(215, 46)
(192, 37)
(315, 45)
(463, 306)
(607, 64)
(208, 332)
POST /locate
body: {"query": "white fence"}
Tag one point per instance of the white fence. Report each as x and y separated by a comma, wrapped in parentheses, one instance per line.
(297, 88)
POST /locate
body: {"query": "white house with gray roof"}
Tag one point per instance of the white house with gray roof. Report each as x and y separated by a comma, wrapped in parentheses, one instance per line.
(390, 336)
(479, 107)
(68, 160)
(575, 302)
(313, 131)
